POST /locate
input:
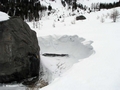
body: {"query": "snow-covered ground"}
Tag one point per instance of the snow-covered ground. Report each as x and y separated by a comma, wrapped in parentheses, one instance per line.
(99, 71)
(93, 51)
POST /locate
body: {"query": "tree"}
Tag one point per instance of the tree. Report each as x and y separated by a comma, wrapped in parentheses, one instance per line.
(74, 6)
(102, 20)
(26, 9)
(63, 3)
(49, 7)
(114, 15)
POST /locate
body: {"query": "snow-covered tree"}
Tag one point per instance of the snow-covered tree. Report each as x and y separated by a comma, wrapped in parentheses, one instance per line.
(102, 20)
(114, 15)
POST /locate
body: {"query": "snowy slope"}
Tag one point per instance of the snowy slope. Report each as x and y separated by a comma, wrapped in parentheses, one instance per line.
(101, 70)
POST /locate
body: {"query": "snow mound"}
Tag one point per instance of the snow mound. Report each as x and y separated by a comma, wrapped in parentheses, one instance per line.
(74, 47)
(3, 16)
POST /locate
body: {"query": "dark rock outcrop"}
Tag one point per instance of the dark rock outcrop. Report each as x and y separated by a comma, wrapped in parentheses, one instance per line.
(19, 53)
(81, 17)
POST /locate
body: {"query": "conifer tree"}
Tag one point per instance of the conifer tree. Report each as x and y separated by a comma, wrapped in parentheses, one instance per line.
(49, 7)
(114, 15)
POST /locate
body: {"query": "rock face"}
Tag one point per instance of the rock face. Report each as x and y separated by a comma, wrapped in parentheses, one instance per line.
(19, 53)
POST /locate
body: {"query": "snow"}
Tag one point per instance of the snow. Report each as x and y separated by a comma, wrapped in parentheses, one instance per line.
(71, 45)
(3, 16)
(93, 48)
(100, 71)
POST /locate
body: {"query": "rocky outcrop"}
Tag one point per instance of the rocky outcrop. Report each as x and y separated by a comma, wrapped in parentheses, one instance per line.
(81, 17)
(19, 53)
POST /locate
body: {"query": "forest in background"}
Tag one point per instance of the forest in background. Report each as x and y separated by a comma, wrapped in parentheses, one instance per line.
(32, 9)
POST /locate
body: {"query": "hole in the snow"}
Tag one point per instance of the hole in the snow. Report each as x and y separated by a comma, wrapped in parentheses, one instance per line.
(60, 53)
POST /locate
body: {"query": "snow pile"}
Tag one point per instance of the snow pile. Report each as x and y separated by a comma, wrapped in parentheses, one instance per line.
(76, 48)
(3, 16)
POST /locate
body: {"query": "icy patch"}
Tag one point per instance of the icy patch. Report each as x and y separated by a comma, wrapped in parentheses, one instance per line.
(3, 16)
(76, 49)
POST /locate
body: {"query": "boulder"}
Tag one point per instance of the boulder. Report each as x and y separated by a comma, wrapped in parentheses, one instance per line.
(19, 53)
(81, 17)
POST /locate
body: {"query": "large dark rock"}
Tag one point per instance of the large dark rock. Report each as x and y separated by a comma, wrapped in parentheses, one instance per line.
(19, 53)
(81, 17)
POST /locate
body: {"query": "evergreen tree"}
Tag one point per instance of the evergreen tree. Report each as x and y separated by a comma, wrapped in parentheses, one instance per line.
(114, 15)
(68, 2)
(49, 7)
(63, 3)
(74, 6)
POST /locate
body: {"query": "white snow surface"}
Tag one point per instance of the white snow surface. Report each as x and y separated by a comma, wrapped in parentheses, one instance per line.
(53, 67)
(3, 16)
(93, 48)
(100, 71)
